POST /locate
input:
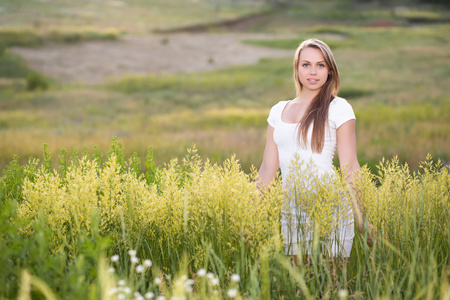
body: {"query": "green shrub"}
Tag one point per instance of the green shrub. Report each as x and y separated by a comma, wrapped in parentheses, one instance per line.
(12, 66)
(19, 37)
(25, 37)
(37, 81)
(2, 48)
(352, 92)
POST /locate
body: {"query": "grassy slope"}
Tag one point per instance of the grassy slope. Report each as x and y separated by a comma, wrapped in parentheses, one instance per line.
(395, 78)
(132, 16)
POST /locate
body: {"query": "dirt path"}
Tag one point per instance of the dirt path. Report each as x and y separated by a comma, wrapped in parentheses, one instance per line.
(96, 61)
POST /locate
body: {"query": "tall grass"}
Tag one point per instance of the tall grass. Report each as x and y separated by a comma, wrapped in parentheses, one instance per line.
(194, 224)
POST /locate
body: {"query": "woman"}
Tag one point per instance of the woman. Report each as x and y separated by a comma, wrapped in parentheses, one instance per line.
(312, 126)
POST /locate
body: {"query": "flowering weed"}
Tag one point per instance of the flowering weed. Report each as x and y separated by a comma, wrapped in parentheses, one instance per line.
(182, 208)
(57, 223)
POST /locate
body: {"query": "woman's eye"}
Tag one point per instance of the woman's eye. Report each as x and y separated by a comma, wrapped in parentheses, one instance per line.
(305, 65)
(321, 66)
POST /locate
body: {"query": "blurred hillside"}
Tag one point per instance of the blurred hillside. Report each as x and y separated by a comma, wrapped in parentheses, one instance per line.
(392, 55)
(145, 16)
(131, 16)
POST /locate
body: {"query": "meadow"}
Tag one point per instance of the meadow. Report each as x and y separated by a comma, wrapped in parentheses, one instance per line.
(143, 186)
(395, 78)
(96, 227)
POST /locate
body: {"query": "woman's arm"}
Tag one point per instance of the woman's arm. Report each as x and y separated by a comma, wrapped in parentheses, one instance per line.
(346, 148)
(270, 164)
(348, 161)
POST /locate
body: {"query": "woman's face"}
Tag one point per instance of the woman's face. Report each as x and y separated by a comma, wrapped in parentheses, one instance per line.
(312, 69)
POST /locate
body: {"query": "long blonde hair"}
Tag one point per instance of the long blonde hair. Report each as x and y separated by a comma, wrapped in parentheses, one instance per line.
(317, 112)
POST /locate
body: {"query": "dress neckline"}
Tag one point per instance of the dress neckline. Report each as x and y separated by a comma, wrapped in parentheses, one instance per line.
(281, 114)
(289, 101)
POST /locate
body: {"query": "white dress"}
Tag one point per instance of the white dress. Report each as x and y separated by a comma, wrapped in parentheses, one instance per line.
(286, 138)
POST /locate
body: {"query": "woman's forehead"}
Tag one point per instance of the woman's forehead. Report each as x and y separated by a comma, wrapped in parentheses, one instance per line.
(311, 54)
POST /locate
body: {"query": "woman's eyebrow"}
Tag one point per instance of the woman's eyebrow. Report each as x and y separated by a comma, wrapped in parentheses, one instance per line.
(304, 60)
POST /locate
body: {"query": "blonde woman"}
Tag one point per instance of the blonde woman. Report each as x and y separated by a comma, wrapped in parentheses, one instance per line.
(312, 126)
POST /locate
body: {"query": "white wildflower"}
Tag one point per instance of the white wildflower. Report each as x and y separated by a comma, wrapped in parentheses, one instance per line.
(134, 260)
(188, 285)
(201, 272)
(138, 296)
(149, 295)
(148, 263)
(157, 281)
(113, 291)
(115, 258)
(127, 290)
(210, 275)
(235, 278)
(342, 294)
(232, 293)
(215, 281)
(111, 270)
(132, 253)
(190, 282)
(121, 282)
(160, 298)
(140, 269)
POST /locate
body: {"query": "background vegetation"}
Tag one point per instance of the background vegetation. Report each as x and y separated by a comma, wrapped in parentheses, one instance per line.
(395, 77)
(395, 68)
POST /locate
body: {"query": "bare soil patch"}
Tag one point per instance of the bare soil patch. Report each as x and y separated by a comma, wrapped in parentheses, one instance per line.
(96, 61)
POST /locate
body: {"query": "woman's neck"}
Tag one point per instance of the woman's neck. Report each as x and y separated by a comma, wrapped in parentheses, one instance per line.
(307, 96)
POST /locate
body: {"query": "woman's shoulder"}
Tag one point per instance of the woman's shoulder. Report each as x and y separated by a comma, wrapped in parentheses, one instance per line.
(340, 111)
(339, 103)
(275, 113)
(280, 105)
(278, 108)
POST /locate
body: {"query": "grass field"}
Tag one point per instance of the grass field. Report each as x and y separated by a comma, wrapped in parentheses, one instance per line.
(68, 218)
(96, 227)
(395, 78)
(135, 16)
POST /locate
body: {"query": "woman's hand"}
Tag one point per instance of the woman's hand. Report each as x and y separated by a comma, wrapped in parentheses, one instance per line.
(367, 230)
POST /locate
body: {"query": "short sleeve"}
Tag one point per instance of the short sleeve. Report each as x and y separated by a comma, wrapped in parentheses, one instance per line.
(271, 119)
(275, 113)
(340, 112)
